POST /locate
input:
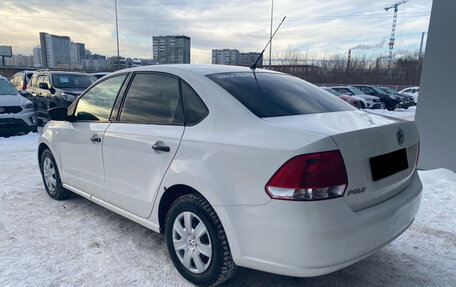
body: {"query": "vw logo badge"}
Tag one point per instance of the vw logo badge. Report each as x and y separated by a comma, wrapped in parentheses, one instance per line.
(2, 110)
(400, 136)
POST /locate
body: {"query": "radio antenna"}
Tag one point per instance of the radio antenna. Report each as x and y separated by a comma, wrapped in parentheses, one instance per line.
(253, 67)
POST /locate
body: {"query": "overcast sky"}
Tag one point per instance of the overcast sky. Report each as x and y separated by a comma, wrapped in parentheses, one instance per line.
(320, 26)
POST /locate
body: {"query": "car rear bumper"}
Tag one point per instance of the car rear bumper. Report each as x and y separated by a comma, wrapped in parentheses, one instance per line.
(314, 238)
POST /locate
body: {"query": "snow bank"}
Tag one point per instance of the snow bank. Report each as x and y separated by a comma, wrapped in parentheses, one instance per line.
(406, 114)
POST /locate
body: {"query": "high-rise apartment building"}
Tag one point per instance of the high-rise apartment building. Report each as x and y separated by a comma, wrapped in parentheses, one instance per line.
(234, 57)
(248, 59)
(171, 49)
(60, 51)
(37, 56)
(225, 56)
(55, 50)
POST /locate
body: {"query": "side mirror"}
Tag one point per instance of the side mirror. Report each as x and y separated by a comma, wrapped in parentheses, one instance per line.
(24, 92)
(43, 86)
(57, 113)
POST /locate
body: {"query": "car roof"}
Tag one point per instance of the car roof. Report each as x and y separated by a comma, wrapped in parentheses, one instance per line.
(182, 69)
(62, 72)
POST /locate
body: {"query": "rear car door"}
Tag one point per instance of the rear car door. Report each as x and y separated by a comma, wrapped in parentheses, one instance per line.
(139, 147)
(81, 139)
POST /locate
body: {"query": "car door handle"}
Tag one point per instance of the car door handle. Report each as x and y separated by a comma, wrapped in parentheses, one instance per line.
(95, 139)
(164, 148)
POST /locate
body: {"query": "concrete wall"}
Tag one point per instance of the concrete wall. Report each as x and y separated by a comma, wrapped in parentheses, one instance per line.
(436, 110)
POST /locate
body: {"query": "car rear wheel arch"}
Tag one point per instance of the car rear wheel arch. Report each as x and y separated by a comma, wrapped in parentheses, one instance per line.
(171, 194)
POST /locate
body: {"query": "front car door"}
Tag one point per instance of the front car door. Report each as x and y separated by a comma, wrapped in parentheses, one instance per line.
(46, 94)
(81, 140)
(139, 147)
(38, 94)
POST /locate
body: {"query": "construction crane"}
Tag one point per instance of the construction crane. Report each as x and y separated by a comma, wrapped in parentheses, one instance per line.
(393, 30)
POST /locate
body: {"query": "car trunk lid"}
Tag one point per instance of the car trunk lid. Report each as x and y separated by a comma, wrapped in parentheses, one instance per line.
(371, 148)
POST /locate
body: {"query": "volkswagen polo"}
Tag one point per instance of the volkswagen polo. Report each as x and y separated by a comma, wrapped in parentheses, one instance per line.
(238, 167)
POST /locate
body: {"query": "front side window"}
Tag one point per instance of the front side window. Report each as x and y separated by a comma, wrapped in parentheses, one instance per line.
(378, 90)
(96, 104)
(46, 80)
(275, 95)
(153, 99)
(39, 80)
(367, 90)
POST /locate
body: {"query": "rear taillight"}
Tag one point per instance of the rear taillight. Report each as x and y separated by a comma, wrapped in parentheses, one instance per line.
(312, 176)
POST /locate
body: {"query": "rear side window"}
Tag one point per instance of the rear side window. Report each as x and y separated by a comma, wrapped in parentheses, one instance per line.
(194, 108)
(153, 99)
(96, 104)
(276, 95)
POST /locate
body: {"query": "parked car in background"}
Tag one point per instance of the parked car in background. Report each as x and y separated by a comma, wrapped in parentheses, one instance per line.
(20, 80)
(371, 102)
(50, 89)
(412, 91)
(408, 101)
(391, 102)
(100, 75)
(357, 103)
(17, 113)
(236, 167)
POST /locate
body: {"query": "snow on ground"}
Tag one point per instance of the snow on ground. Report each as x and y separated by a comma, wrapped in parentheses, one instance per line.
(406, 114)
(44, 242)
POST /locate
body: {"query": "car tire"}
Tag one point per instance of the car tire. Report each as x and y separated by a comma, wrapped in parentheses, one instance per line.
(51, 177)
(209, 238)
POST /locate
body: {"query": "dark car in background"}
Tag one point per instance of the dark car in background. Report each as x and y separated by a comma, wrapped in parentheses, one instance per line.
(391, 102)
(408, 101)
(51, 89)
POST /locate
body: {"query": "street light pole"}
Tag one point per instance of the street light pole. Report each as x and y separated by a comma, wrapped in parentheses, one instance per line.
(270, 34)
(117, 36)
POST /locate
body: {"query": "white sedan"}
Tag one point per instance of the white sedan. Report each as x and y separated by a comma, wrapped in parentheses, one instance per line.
(412, 91)
(237, 167)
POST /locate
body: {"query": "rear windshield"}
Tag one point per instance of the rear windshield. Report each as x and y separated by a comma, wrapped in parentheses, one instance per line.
(75, 81)
(6, 88)
(277, 95)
